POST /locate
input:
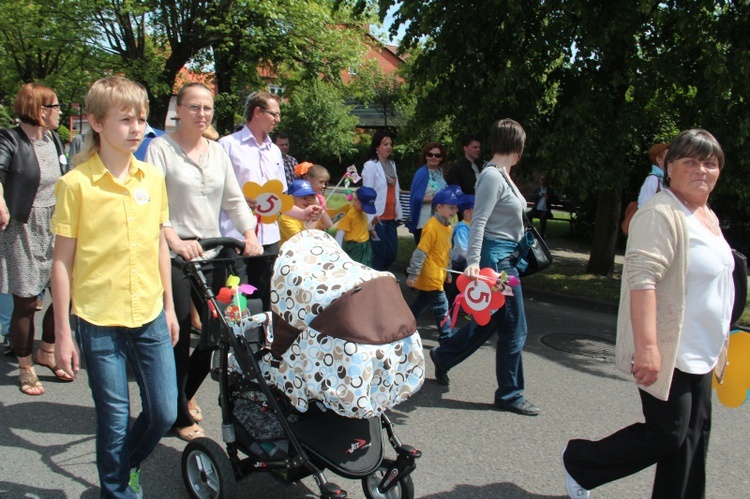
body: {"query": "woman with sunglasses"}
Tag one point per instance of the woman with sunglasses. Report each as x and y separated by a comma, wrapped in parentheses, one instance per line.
(427, 181)
(31, 161)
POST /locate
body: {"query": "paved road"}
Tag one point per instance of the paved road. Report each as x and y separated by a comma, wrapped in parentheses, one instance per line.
(470, 450)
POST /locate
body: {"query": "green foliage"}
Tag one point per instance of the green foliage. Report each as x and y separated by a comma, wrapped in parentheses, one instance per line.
(319, 124)
(6, 120)
(295, 41)
(64, 134)
(49, 42)
(592, 95)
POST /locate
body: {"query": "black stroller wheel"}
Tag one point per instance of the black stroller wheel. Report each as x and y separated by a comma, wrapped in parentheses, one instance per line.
(403, 489)
(206, 470)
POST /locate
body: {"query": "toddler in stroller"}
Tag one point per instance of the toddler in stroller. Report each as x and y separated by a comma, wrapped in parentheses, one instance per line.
(304, 387)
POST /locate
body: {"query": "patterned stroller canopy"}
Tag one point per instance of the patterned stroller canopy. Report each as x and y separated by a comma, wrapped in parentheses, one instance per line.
(355, 348)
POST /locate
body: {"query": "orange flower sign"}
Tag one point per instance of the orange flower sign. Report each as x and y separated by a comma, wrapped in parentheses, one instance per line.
(481, 297)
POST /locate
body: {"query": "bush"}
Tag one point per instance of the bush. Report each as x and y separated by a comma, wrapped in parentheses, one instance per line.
(319, 125)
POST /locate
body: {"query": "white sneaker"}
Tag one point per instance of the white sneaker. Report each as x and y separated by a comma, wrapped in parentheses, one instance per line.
(575, 491)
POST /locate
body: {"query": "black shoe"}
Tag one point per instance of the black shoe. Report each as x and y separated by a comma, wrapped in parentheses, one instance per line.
(524, 407)
(441, 375)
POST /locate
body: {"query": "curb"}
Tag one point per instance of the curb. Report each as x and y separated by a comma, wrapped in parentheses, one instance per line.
(580, 302)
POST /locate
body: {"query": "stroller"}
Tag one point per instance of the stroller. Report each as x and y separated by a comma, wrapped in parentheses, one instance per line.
(283, 409)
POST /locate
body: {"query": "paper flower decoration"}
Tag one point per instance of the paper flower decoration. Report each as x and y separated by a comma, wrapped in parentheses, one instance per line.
(482, 296)
(269, 198)
(350, 177)
(735, 388)
(234, 295)
(351, 174)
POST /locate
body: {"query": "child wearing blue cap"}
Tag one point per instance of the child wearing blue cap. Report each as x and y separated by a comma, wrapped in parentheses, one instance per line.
(426, 270)
(460, 241)
(304, 196)
(354, 229)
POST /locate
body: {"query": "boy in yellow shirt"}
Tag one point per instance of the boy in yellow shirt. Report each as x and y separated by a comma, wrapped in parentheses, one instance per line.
(304, 196)
(353, 233)
(112, 260)
(430, 259)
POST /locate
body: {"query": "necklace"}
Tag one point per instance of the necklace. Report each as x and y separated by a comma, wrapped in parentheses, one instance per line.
(702, 214)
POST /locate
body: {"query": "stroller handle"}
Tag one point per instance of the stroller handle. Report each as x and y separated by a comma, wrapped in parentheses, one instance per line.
(229, 242)
(211, 243)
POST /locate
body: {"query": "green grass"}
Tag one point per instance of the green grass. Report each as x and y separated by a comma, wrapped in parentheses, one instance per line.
(570, 278)
(336, 201)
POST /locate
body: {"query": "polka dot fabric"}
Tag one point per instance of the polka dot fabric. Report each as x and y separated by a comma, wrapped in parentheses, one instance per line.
(354, 380)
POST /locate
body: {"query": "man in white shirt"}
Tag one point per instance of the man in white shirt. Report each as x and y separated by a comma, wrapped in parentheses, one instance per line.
(255, 158)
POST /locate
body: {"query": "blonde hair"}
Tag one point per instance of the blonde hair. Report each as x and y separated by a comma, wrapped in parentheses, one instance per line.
(112, 92)
(210, 133)
(317, 172)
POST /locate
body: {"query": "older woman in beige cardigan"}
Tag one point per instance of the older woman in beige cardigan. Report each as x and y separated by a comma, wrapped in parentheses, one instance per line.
(675, 310)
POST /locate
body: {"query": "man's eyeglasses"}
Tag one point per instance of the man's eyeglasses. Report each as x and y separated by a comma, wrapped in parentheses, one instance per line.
(195, 109)
(433, 155)
(274, 114)
(57, 106)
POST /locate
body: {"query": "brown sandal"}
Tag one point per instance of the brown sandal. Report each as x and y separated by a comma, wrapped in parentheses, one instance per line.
(28, 381)
(56, 370)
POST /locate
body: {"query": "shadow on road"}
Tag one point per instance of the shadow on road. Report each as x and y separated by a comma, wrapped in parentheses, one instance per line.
(505, 490)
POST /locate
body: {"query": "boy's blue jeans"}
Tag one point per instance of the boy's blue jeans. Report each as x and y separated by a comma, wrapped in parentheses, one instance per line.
(6, 310)
(439, 305)
(148, 350)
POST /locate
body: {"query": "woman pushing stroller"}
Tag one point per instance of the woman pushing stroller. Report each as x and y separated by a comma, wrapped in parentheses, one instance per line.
(200, 182)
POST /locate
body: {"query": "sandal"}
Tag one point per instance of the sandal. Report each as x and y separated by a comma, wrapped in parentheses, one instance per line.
(190, 433)
(28, 381)
(196, 414)
(56, 370)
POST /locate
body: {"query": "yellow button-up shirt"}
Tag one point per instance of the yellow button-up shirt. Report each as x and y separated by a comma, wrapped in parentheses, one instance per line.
(116, 279)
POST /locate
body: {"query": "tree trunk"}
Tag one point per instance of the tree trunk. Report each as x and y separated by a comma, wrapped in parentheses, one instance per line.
(225, 63)
(158, 109)
(606, 231)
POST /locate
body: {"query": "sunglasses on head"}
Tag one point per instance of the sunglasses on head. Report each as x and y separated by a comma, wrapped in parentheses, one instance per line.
(433, 155)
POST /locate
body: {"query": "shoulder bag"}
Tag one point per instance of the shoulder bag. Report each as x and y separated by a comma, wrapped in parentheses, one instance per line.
(739, 276)
(538, 255)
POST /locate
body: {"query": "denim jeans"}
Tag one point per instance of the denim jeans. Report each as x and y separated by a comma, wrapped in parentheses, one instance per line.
(6, 309)
(148, 350)
(439, 304)
(384, 252)
(509, 323)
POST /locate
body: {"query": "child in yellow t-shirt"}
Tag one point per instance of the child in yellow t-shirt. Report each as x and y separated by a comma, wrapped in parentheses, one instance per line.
(354, 229)
(430, 259)
(304, 196)
(111, 258)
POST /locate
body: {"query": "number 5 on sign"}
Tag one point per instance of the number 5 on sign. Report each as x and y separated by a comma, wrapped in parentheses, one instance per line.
(480, 298)
(270, 199)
